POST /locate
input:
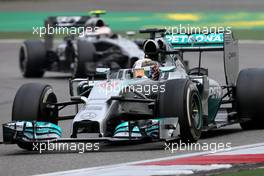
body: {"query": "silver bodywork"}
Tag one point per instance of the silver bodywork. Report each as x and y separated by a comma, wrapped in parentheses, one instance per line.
(97, 107)
(127, 47)
(107, 100)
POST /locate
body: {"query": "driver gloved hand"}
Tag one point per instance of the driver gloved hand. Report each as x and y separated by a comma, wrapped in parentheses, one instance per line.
(155, 72)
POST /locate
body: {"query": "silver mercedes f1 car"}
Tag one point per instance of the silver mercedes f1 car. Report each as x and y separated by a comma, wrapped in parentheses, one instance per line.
(88, 44)
(181, 104)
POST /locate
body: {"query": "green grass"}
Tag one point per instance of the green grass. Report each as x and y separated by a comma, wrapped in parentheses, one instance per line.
(253, 172)
(249, 34)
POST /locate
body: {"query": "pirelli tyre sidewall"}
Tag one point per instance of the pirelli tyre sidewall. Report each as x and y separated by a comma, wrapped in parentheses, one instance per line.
(182, 99)
(190, 118)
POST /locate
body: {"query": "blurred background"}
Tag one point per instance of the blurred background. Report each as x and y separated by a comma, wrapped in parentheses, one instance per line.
(246, 17)
(18, 17)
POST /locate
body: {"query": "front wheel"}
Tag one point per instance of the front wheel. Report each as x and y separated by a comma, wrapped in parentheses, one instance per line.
(181, 99)
(30, 103)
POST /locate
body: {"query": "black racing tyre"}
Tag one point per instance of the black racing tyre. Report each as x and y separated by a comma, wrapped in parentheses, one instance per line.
(84, 64)
(250, 98)
(29, 103)
(25, 145)
(32, 58)
(181, 99)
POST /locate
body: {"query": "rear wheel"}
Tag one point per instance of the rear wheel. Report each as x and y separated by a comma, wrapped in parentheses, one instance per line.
(250, 98)
(84, 64)
(32, 58)
(181, 99)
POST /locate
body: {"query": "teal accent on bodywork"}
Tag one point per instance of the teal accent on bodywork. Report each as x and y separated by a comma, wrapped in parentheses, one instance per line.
(195, 40)
(44, 125)
(167, 69)
(41, 128)
(43, 131)
(213, 107)
(135, 129)
(123, 127)
(153, 128)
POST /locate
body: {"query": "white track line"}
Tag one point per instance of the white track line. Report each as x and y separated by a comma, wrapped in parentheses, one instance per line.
(91, 169)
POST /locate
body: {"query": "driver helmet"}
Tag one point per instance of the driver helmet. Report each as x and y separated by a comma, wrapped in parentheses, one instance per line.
(104, 30)
(146, 68)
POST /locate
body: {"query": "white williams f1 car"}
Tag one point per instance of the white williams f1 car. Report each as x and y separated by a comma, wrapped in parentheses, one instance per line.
(179, 105)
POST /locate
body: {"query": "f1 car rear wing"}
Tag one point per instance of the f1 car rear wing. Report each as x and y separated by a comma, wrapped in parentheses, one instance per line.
(53, 22)
(196, 41)
(210, 42)
(67, 21)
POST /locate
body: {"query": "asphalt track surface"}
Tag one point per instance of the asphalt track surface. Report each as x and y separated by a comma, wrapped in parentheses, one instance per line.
(15, 161)
(132, 5)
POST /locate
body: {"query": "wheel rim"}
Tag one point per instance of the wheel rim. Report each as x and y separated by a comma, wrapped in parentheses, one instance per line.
(49, 97)
(195, 111)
